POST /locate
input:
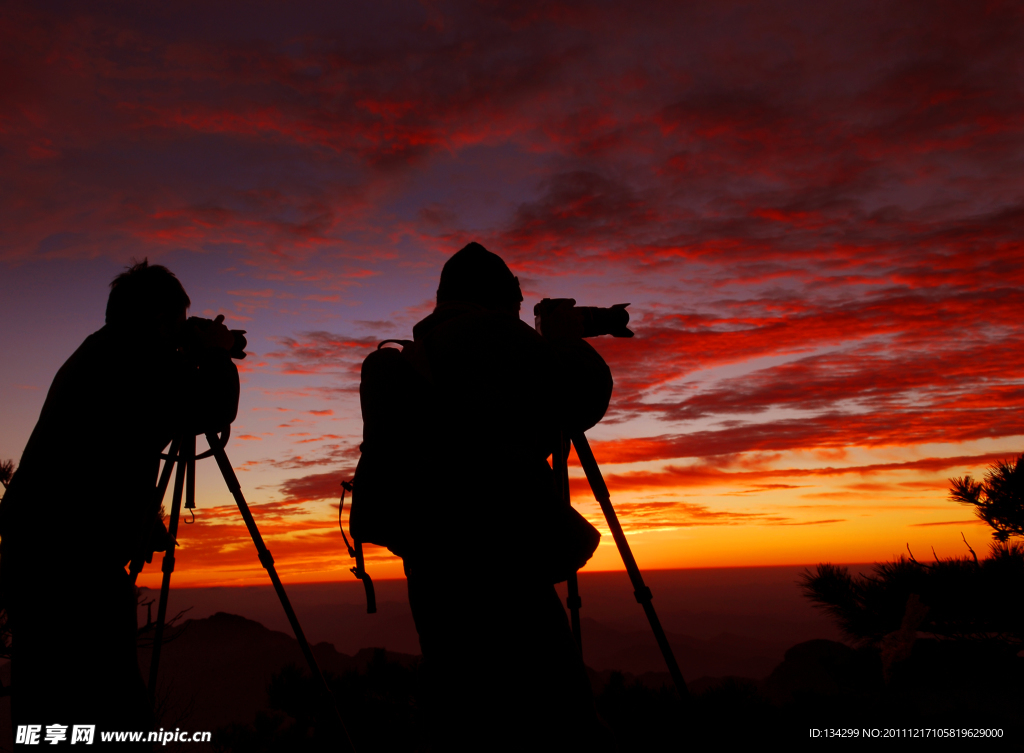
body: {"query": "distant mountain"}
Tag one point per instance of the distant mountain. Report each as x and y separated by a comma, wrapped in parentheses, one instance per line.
(721, 621)
(215, 671)
(637, 652)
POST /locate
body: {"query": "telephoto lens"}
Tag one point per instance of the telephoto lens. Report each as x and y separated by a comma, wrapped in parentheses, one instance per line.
(596, 321)
(605, 321)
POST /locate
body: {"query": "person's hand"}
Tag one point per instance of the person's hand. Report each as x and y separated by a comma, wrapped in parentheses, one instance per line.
(562, 321)
(159, 540)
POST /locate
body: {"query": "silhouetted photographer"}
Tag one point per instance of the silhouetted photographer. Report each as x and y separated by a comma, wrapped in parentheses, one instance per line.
(484, 532)
(72, 518)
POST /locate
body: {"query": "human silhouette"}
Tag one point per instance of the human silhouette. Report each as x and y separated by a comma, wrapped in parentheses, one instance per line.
(76, 509)
(494, 534)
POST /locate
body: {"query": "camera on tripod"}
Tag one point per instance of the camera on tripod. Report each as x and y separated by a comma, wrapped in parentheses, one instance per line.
(560, 317)
(195, 338)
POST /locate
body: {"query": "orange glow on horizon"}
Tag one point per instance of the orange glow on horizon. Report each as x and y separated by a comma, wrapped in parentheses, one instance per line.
(762, 515)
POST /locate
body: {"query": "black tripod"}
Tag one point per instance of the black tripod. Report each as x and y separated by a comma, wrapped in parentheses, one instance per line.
(640, 590)
(182, 454)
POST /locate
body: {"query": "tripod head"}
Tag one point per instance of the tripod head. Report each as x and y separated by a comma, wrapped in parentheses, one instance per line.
(222, 441)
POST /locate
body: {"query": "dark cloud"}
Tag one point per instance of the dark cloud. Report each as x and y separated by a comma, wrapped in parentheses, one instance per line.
(578, 208)
(646, 516)
(316, 486)
(945, 523)
(951, 378)
(752, 129)
(835, 430)
(323, 352)
(722, 471)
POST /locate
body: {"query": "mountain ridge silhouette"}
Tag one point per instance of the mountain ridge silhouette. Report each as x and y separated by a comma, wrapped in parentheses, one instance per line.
(215, 670)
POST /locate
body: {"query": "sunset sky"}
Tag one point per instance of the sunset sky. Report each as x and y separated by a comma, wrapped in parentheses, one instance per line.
(815, 209)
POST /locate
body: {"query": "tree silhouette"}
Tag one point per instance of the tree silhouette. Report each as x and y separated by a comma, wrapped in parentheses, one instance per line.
(956, 598)
(952, 598)
(998, 500)
(6, 472)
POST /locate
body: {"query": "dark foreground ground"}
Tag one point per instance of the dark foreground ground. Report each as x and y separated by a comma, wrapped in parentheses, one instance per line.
(270, 703)
(762, 666)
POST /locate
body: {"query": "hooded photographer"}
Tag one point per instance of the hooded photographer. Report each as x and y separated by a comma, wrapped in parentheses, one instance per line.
(494, 534)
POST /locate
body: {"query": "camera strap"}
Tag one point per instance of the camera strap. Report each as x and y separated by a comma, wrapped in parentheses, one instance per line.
(355, 551)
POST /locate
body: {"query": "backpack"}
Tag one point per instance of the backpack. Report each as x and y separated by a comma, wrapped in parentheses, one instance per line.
(395, 458)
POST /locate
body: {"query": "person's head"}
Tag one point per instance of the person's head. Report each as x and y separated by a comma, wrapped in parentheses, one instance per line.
(147, 297)
(476, 275)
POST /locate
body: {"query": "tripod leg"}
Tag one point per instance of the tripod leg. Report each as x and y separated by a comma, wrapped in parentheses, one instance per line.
(640, 590)
(572, 599)
(267, 560)
(574, 602)
(187, 474)
(146, 528)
